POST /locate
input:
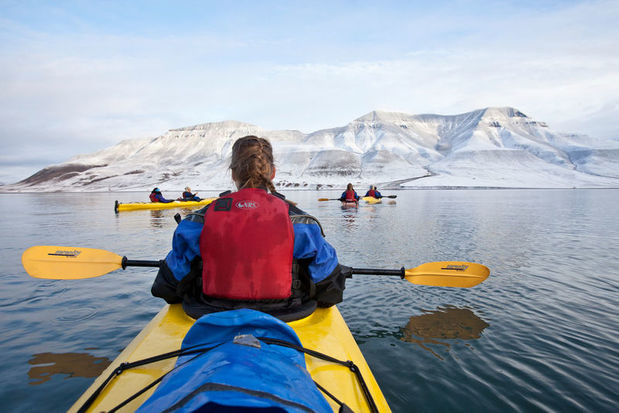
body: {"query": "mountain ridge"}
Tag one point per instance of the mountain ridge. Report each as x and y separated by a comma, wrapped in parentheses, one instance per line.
(489, 147)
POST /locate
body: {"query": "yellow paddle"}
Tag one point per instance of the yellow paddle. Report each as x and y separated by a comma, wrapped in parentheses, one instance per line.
(73, 263)
(458, 274)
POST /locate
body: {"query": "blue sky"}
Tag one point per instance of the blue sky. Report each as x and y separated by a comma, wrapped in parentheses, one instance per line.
(78, 76)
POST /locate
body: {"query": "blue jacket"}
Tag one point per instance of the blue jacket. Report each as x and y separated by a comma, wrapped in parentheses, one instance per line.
(188, 196)
(159, 197)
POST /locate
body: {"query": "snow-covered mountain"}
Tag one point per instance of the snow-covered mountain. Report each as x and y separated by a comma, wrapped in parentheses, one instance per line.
(492, 147)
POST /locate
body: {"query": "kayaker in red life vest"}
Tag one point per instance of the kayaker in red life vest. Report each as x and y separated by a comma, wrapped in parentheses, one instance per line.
(251, 249)
(188, 196)
(373, 192)
(349, 195)
(157, 196)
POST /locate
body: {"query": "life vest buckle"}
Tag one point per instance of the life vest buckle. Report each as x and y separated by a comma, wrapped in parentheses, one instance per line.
(246, 340)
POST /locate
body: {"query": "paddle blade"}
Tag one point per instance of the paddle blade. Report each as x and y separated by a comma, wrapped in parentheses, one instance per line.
(448, 274)
(68, 263)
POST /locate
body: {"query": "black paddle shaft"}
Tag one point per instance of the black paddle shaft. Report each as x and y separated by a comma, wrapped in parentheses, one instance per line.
(375, 271)
(368, 271)
(138, 263)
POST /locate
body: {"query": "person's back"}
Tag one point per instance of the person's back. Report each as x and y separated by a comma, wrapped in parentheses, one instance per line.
(349, 195)
(251, 249)
(373, 192)
(249, 240)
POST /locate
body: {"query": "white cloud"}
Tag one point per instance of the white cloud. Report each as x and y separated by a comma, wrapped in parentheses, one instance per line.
(92, 89)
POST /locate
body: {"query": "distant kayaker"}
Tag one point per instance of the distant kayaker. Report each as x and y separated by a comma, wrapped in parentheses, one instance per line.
(157, 196)
(188, 196)
(251, 249)
(349, 195)
(373, 192)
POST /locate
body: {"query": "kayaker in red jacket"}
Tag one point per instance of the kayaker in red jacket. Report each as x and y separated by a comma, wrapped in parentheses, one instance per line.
(349, 195)
(251, 249)
(157, 196)
(373, 192)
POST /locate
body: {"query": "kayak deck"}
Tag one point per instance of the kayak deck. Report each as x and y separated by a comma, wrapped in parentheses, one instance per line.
(324, 331)
(135, 206)
(372, 200)
(349, 204)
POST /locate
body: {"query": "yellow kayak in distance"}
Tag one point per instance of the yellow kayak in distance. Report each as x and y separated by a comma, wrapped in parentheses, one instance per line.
(135, 206)
(372, 200)
(324, 331)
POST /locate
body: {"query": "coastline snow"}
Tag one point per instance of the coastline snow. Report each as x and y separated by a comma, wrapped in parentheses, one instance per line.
(486, 148)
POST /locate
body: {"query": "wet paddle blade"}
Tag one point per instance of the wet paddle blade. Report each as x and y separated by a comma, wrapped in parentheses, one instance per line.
(448, 274)
(68, 263)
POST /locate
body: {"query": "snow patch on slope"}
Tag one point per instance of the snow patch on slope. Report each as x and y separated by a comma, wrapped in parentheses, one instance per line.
(491, 147)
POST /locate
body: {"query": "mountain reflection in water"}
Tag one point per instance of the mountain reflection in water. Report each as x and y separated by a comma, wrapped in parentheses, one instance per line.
(447, 323)
(71, 364)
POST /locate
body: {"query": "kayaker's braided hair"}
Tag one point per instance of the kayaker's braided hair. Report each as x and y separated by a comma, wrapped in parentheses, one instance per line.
(252, 163)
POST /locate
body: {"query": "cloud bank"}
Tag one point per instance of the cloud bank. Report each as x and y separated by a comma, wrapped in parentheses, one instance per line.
(79, 77)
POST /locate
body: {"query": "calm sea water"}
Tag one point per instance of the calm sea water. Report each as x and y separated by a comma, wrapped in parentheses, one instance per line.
(539, 335)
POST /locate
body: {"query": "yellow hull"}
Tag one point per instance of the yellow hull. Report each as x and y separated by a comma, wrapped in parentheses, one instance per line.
(134, 206)
(372, 200)
(324, 331)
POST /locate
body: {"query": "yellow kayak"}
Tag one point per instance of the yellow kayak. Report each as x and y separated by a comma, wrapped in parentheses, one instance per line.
(372, 200)
(324, 331)
(134, 206)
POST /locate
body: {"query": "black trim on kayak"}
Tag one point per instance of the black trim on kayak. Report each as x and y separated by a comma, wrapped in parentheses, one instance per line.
(226, 387)
(126, 366)
(348, 363)
(198, 350)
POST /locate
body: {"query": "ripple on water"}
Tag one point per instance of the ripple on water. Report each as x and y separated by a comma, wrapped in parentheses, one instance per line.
(79, 314)
(550, 303)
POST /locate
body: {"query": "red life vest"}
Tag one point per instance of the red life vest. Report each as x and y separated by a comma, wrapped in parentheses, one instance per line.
(153, 197)
(372, 192)
(350, 196)
(246, 246)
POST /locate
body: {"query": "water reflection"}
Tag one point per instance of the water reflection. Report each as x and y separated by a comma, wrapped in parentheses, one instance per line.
(72, 364)
(446, 323)
(350, 215)
(156, 218)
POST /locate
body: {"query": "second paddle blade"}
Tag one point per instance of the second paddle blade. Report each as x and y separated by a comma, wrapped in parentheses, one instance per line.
(68, 263)
(448, 274)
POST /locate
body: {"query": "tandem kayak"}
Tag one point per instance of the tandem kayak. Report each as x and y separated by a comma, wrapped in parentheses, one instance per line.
(324, 331)
(134, 206)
